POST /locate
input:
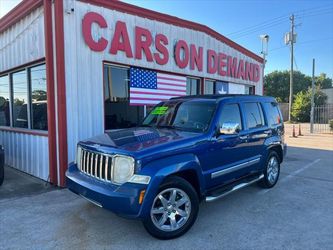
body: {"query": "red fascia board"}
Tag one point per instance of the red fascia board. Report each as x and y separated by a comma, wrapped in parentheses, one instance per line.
(21, 10)
(154, 15)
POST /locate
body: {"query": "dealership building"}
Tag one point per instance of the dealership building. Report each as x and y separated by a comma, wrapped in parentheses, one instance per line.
(65, 73)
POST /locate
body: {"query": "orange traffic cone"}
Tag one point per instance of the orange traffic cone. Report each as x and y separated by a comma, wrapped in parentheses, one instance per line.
(294, 132)
(299, 130)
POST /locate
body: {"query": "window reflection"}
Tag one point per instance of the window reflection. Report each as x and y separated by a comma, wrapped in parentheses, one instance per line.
(20, 99)
(192, 86)
(38, 97)
(209, 87)
(4, 101)
(118, 112)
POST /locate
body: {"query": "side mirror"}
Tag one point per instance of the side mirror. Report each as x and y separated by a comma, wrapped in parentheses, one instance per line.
(229, 128)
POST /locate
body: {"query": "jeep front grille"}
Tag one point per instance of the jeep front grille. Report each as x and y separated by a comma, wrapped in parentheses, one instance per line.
(96, 165)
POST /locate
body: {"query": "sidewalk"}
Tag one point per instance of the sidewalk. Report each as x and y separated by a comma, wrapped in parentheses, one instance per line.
(308, 140)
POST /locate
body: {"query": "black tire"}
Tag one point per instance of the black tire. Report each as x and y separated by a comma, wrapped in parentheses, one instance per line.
(179, 184)
(2, 173)
(266, 182)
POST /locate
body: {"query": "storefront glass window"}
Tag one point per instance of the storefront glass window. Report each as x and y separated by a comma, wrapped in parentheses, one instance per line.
(38, 97)
(20, 99)
(249, 90)
(209, 87)
(221, 88)
(192, 86)
(118, 112)
(4, 101)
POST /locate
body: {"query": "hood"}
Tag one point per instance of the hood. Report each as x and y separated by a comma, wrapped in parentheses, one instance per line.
(140, 140)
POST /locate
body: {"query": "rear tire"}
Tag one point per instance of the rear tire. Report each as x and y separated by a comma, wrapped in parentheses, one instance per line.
(2, 173)
(271, 171)
(174, 209)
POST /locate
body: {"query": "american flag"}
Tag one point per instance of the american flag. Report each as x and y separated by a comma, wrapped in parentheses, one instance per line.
(148, 87)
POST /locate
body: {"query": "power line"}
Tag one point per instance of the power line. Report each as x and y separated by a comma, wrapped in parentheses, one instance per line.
(322, 10)
(260, 24)
(301, 43)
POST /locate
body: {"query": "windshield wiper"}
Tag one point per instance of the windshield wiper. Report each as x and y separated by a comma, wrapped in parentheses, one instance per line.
(167, 126)
(145, 125)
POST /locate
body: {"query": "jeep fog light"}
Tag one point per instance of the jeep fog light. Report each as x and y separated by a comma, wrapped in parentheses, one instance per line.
(123, 169)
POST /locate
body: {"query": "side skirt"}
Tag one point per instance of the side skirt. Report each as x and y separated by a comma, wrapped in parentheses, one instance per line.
(217, 194)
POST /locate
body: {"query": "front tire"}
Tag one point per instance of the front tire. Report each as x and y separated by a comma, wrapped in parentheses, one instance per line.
(2, 174)
(271, 171)
(174, 209)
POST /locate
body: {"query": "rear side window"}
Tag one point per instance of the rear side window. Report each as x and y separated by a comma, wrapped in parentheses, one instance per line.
(254, 115)
(230, 113)
(272, 113)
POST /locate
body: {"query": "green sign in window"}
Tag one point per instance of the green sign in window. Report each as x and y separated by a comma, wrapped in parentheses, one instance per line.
(159, 111)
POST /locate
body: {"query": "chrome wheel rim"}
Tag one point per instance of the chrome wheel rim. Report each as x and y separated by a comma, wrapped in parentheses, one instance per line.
(272, 170)
(171, 209)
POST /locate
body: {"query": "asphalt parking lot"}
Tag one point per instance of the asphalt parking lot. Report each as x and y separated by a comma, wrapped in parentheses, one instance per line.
(296, 214)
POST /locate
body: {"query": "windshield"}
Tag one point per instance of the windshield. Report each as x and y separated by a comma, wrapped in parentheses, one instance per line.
(183, 115)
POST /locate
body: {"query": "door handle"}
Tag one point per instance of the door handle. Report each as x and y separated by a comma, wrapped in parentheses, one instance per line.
(243, 137)
(268, 132)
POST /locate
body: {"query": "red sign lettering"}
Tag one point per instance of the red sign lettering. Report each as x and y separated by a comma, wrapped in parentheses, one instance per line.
(182, 61)
(185, 55)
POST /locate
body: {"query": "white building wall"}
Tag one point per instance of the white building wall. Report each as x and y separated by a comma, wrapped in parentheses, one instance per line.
(23, 42)
(20, 44)
(84, 67)
(28, 153)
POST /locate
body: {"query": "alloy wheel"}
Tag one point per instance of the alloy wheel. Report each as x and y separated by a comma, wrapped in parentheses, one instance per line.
(272, 170)
(171, 209)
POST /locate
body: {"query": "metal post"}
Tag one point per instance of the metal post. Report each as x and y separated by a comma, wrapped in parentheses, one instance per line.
(312, 97)
(264, 52)
(292, 18)
(144, 111)
(263, 74)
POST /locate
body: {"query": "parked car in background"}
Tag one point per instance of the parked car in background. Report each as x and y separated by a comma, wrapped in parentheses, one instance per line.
(2, 164)
(187, 150)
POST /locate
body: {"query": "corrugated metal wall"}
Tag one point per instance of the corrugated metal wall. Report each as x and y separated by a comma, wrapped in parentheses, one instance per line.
(84, 72)
(28, 153)
(20, 44)
(24, 39)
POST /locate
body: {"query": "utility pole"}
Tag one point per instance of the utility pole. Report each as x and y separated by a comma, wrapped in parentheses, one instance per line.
(312, 96)
(264, 52)
(291, 40)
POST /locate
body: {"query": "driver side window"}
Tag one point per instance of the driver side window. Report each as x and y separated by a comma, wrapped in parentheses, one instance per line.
(230, 113)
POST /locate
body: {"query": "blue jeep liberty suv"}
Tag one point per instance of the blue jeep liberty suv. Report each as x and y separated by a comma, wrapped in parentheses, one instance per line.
(187, 149)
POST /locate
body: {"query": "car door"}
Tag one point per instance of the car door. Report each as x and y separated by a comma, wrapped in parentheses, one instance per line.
(257, 131)
(226, 151)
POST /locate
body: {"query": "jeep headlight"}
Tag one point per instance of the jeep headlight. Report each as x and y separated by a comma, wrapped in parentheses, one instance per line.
(123, 169)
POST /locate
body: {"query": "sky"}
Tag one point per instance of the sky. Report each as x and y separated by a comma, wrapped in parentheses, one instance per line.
(243, 21)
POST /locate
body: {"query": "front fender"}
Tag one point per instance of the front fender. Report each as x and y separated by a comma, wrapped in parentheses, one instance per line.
(162, 168)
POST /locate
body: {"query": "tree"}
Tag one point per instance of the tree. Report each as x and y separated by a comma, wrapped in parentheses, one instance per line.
(277, 84)
(323, 81)
(302, 104)
(39, 95)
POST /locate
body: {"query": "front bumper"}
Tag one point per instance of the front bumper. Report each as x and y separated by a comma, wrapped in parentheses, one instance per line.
(120, 199)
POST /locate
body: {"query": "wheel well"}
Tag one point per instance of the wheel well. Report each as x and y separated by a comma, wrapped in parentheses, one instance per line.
(192, 178)
(278, 150)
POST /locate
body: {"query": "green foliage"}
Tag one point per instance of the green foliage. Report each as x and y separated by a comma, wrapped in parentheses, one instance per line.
(323, 82)
(277, 83)
(302, 104)
(331, 124)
